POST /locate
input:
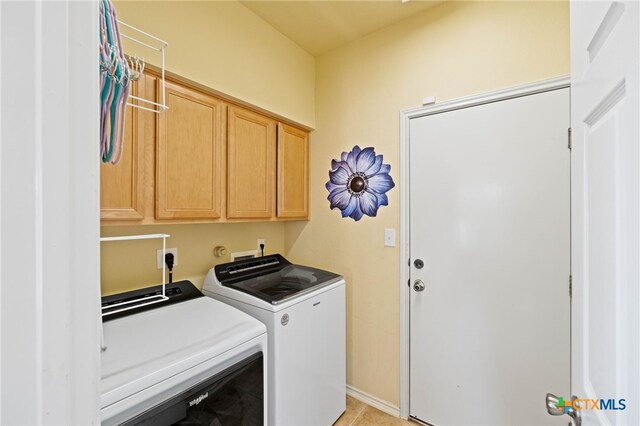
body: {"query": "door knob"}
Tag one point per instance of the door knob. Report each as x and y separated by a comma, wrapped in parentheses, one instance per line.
(557, 406)
(418, 285)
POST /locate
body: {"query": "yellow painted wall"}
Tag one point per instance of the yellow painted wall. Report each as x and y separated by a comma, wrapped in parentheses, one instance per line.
(128, 265)
(225, 46)
(453, 50)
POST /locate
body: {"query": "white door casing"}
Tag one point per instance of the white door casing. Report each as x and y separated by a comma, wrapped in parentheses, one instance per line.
(496, 323)
(605, 180)
(49, 213)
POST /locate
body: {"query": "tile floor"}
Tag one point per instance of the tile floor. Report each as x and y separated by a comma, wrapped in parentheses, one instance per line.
(360, 414)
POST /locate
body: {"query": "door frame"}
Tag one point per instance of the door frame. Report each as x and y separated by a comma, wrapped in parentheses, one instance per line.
(50, 213)
(406, 116)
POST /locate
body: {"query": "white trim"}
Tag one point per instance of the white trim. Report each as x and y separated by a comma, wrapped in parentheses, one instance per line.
(488, 97)
(373, 401)
(50, 214)
(1, 255)
(38, 212)
(405, 242)
(405, 118)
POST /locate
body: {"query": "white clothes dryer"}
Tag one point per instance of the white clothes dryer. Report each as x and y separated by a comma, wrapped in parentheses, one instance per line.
(188, 360)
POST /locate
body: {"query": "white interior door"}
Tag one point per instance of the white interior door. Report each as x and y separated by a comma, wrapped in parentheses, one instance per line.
(490, 217)
(605, 190)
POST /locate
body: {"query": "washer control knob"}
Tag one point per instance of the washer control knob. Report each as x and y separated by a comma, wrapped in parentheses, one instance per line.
(285, 319)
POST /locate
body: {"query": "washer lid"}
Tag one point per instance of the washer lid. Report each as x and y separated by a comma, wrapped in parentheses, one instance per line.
(284, 284)
(151, 346)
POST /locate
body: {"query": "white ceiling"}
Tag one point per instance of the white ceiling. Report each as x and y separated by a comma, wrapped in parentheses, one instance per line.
(320, 26)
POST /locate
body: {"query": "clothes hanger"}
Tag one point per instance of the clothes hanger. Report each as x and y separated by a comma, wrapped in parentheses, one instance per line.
(136, 65)
(115, 79)
(113, 86)
(121, 94)
(135, 69)
(122, 111)
(105, 65)
(110, 83)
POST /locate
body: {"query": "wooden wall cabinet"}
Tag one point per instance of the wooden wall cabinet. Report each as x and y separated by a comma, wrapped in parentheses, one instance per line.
(251, 161)
(122, 185)
(190, 156)
(293, 172)
(205, 159)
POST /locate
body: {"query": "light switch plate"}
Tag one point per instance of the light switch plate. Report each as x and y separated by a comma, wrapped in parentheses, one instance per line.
(389, 237)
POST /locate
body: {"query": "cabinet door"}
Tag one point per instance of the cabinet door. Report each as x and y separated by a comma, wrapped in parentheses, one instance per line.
(293, 172)
(190, 156)
(252, 165)
(122, 185)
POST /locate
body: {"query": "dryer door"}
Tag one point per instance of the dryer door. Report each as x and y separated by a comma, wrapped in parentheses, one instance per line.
(231, 397)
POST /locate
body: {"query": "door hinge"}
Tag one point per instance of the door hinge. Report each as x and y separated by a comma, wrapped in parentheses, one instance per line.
(409, 282)
(570, 285)
(569, 137)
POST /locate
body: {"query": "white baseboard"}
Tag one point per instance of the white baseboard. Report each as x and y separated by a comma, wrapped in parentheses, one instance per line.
(373, 401)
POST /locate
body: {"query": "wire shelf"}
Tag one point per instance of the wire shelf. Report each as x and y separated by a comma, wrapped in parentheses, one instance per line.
(160, 47)
(146, 300)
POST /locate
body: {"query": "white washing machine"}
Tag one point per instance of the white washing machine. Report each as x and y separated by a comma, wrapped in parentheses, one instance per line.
(189, 360)
(304, 311)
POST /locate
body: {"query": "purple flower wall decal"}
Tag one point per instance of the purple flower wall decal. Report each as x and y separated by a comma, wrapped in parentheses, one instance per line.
(358, 183)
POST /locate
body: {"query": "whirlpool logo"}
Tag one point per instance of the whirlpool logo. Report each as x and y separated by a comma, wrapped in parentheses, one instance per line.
(592, 404)
(199, 399)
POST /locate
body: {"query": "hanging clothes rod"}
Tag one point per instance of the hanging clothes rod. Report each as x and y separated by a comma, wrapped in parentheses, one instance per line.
(164, 43)
(160, 107)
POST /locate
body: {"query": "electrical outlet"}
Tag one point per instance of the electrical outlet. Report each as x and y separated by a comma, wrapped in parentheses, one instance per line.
(160, 258)
(260, 241)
